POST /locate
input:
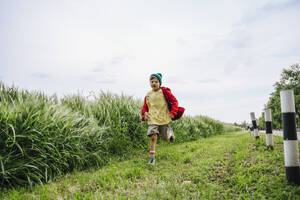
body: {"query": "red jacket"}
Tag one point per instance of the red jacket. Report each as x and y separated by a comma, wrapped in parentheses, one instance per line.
(172, 102)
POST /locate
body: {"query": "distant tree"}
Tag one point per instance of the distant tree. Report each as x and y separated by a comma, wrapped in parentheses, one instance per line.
(290, 79)
(244, 124)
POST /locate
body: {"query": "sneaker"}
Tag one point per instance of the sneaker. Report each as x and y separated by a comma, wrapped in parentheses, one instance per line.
(172, 138)
(152, 161)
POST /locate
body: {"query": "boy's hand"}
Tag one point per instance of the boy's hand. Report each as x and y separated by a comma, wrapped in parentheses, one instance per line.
(171, 115)
(147, 116)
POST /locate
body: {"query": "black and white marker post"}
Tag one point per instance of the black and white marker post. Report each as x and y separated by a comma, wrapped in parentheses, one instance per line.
(291, 151)
(269, 135)
(255, 128)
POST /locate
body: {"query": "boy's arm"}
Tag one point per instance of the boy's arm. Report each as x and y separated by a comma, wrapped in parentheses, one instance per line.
(144, 109)
(174, 103)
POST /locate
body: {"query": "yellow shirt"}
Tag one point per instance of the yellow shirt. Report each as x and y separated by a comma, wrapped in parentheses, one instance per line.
(158, 108)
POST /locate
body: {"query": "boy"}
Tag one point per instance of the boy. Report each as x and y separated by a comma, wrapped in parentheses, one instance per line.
(155, 111)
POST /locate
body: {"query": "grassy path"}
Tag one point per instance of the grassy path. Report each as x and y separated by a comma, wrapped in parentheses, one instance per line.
(231, 166)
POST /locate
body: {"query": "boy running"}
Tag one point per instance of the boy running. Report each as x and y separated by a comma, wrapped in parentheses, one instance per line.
(156, 112)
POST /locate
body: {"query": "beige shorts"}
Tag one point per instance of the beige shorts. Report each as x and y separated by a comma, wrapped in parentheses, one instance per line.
(162, 130)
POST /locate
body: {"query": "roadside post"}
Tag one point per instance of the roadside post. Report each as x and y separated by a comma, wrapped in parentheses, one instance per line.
(252, 115)
(269, 134)
(290, 143)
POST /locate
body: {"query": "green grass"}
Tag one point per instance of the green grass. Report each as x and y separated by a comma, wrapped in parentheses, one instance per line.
(44, 137)
(230, 166)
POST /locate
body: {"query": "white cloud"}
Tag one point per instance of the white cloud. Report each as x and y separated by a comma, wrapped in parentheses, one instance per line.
(41, 75)
(219, 58)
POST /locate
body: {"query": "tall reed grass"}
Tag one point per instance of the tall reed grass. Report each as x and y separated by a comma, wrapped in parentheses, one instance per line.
(43, 137)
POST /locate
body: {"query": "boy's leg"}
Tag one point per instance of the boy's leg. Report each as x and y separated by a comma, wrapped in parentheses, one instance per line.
(166, 138)
(172, 136)
(153, 140)
(152, 133)
(167, 132)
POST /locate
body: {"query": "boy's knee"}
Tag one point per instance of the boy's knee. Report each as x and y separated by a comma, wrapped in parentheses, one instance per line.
(153, 137)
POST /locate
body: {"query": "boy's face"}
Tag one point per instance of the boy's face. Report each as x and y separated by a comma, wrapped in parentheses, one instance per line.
(154, 83)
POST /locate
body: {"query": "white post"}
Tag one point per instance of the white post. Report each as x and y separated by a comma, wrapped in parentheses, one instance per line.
(291, 151)
(252, 115)
(269, 135)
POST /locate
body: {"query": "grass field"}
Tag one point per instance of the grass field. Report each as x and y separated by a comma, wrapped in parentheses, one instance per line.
(229, 166)
(44, 137)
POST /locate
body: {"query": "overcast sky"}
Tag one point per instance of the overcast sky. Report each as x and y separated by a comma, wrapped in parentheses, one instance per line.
(220, 58)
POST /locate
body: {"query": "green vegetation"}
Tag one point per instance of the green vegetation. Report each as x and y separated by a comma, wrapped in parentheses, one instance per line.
(229, 128)
(43, 137)
(289, 80)
(230, 166)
